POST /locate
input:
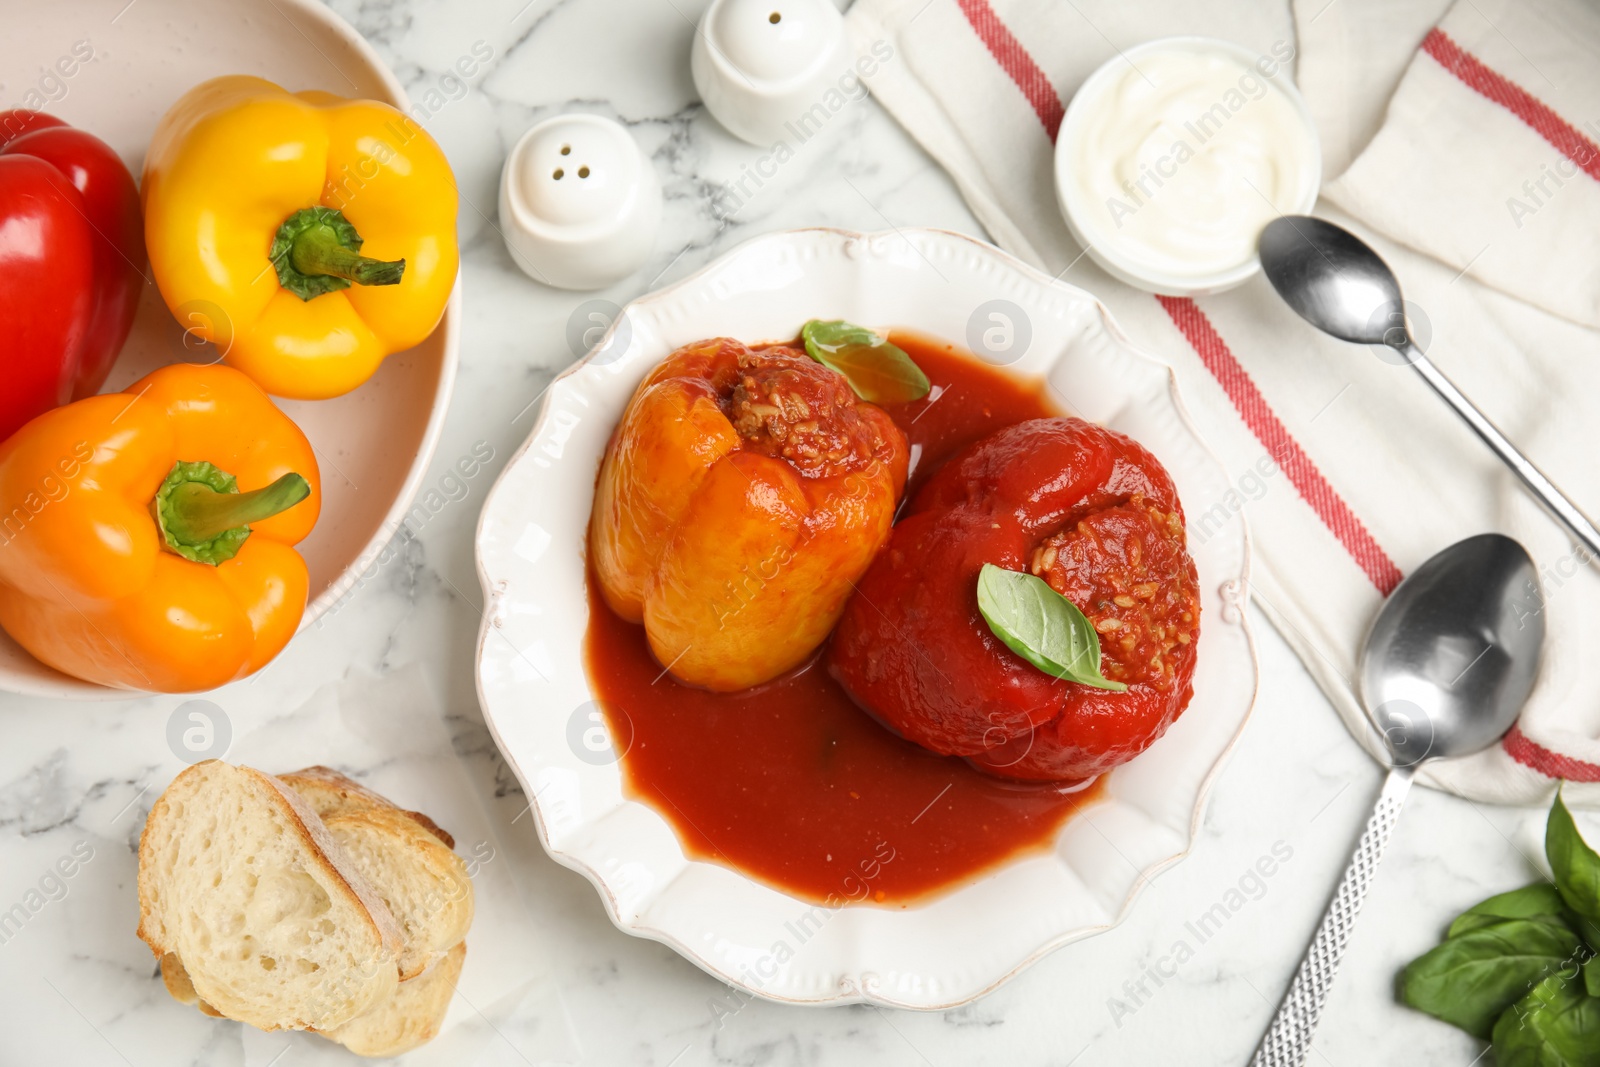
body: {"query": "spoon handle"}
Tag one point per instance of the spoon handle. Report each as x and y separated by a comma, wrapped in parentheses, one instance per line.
(1553, 498)
(1288, 1042)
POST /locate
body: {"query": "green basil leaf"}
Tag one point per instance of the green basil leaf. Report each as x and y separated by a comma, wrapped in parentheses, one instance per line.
(879, 372)
(1576, 866)
(836, 333)
(1469, 981)
(1541, 901)
(1041, 626)
(1556, 1025)
(1591, 976)
(1587, 928)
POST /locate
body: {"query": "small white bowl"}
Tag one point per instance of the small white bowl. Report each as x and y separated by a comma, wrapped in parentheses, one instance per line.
(579, 202)
(761, 66)
(1086, 220)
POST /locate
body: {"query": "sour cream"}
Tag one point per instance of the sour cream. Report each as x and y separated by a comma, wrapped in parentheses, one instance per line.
(1173, 156)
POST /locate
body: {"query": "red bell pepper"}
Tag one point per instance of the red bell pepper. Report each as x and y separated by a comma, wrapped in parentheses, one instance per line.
(72, 263)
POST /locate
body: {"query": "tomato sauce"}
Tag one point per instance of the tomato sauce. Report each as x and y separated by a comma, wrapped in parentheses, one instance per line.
(791, 783)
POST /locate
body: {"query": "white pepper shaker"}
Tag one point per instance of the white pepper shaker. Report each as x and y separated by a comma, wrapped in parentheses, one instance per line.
(579, 202)
(762, 65)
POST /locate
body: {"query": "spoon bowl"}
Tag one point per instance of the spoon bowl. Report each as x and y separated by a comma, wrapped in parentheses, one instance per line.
(1454, 653)
(1334, 280)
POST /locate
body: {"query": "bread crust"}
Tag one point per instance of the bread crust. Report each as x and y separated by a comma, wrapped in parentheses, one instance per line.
(331, 792)
(176, 979)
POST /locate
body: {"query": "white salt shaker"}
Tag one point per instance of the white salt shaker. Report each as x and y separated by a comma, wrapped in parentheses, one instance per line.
(579, 202)
(762, 65)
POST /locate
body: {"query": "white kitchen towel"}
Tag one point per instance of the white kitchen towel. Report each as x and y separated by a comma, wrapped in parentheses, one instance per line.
(1353, 55)
(1350, 470)
(1501, 180)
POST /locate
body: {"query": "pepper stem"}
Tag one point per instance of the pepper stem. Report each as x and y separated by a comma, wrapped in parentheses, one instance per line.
(203, 517)
(317, 251)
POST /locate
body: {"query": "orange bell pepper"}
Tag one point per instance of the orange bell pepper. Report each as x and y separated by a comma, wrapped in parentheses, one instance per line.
(742, 495)
(146, 538)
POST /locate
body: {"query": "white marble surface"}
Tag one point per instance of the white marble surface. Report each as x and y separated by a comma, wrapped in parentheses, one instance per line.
(76, 986)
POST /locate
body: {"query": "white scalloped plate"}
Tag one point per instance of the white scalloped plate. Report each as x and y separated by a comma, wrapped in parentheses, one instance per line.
(536, 698)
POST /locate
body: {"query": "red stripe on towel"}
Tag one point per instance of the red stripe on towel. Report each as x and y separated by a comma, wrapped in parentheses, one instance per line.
(1270, 431)
(1515, 99)
(1531, 754)
(1015, 61)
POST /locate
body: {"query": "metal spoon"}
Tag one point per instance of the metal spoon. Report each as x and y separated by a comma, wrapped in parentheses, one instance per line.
(1446, 668)
(1341, 286)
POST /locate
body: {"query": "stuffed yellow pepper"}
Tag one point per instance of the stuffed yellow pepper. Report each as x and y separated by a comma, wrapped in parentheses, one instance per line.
(742, 495)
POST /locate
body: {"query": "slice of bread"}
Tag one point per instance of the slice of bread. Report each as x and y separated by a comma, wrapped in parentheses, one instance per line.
(423, 884)
(331, 793)
(273, 924)
(410, 1017)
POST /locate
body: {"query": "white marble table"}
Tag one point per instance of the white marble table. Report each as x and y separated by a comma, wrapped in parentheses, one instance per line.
(76, 986)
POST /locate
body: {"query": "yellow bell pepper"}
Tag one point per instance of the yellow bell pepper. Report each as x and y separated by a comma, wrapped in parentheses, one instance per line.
(305, 235)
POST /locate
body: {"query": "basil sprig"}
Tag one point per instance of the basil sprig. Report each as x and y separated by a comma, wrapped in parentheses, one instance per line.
(1041, 626)
(879, 372)
(1523, 968)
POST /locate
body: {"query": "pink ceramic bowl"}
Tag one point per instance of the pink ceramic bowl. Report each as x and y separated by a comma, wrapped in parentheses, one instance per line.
(373, 444)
